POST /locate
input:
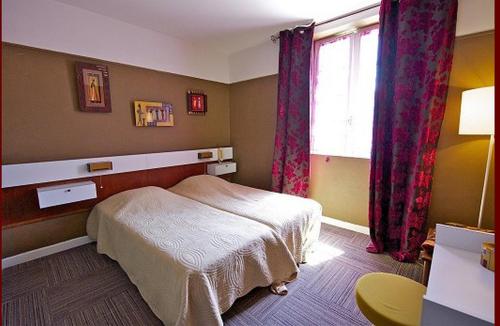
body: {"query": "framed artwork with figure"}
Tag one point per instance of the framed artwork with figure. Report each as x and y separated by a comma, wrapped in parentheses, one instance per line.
(93, 87)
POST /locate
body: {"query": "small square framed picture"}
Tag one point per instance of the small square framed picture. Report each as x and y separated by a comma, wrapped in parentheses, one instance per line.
(196, 103)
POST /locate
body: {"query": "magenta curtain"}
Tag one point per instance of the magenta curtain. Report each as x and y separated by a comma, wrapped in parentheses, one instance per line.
(414, 60)
(290, 172)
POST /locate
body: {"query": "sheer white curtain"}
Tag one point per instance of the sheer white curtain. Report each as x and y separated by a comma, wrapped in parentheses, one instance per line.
(344, 70)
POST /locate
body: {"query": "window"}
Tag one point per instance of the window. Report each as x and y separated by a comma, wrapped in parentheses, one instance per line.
(343, 92)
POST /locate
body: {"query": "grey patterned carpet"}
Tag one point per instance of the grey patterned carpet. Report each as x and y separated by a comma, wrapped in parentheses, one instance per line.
(81, 287)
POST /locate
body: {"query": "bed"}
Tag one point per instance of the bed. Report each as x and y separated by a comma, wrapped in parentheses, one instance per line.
(297, 220)
(189, 261)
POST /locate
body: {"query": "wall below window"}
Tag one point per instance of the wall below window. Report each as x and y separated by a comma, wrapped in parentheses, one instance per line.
(341, 185)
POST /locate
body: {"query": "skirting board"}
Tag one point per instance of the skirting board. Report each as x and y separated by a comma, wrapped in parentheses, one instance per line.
(44, 251)
(346, 225)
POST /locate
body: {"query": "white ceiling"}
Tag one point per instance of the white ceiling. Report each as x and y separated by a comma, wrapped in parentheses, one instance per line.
(225, 25)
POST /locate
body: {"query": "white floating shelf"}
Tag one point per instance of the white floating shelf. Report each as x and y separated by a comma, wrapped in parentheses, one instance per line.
(221, 168)
(66, 193)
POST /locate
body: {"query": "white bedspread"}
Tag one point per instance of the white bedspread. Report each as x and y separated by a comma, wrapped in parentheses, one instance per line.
(297, 220)
(189, 261)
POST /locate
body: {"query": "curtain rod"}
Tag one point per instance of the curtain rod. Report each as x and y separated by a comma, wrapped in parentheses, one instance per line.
(276, 37)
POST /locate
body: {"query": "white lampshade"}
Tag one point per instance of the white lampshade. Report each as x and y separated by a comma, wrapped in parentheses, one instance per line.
(477, 113)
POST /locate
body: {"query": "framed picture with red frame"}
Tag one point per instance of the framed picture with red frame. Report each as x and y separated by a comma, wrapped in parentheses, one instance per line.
(93, 87)
(196, 103)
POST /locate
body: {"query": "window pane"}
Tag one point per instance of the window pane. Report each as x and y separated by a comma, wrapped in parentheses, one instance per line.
(331, 98)
(362, 96)
(342, 114)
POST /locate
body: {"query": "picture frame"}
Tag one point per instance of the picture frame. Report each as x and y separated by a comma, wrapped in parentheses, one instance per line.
(196, 103)
(93, 87)
(153, 114)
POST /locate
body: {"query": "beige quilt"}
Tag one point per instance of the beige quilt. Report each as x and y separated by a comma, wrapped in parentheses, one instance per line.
(189, 261)
(297, 220)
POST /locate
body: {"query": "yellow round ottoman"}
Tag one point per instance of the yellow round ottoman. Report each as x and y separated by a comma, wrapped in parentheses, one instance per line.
(388, 299)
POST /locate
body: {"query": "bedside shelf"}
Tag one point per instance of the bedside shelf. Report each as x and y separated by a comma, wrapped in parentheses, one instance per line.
(221, 168)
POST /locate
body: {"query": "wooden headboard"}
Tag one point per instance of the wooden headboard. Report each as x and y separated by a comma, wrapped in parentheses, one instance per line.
(20, 181)
(20, 204)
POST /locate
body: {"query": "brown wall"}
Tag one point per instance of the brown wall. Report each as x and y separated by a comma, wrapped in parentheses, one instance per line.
(31, 236)
(253, 122)
(41, 120)
(341, 184)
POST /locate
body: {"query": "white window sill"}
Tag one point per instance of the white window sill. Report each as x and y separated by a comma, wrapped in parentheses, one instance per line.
(341, 156)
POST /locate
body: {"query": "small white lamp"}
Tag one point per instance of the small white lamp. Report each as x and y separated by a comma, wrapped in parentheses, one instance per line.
(477, 117)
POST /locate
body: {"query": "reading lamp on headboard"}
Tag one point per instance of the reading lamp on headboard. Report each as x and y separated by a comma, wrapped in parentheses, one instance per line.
(477, 117)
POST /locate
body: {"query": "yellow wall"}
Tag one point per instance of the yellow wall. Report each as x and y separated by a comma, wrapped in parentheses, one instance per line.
(341, 185)
(461, 160)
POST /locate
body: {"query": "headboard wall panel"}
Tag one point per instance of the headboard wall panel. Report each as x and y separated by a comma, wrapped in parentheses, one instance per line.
(20, 204)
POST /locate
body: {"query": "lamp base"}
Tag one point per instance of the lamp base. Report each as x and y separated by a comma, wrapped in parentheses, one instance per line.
(485, 183)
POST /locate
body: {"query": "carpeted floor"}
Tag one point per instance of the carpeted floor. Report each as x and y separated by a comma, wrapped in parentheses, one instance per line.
(81, 287)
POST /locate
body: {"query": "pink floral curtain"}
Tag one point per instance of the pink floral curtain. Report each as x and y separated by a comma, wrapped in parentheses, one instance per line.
(290, 173)
(416, 40)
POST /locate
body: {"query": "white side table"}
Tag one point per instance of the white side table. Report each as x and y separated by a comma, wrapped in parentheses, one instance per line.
(460, 291)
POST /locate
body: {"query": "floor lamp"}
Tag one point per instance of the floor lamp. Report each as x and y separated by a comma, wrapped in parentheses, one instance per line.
(477, 117)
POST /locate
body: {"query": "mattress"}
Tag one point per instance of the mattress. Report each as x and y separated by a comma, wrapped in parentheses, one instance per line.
(189, 261)
(297, 220)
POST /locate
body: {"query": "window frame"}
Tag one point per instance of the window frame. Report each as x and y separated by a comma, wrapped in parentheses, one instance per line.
(314, 75)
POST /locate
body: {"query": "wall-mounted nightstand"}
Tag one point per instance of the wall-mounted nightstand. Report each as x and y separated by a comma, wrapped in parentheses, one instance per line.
(221, 168)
